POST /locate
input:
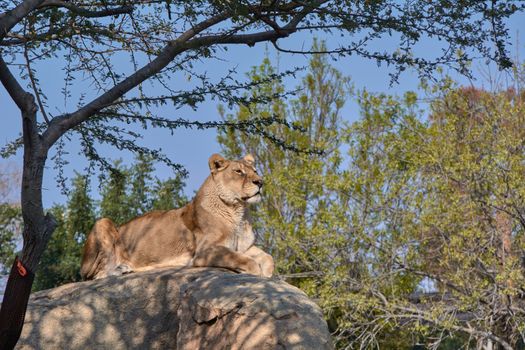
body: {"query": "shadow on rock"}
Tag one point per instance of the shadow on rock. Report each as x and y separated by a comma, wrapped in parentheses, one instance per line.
(177, 308)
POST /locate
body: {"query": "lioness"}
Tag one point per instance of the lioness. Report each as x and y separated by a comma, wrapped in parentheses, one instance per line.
(211, 230)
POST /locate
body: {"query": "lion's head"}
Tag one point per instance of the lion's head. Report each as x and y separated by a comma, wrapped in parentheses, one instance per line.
(237, 180)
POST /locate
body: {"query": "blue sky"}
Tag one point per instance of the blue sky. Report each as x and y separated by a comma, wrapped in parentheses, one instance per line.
(192, 148)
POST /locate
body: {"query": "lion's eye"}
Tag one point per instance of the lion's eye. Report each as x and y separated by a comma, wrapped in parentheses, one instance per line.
(238, 171)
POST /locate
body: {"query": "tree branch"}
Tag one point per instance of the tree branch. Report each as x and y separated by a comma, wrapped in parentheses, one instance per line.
(15, 90)
(428, 317)
(251, 39)
(183, 43)
(34, 84)
(61, 124)
(57, 34)
(10, 18)
(87, 13)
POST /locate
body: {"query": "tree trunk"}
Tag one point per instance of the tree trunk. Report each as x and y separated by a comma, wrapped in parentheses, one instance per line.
(485, 344)
(504, 229)
(37, 232)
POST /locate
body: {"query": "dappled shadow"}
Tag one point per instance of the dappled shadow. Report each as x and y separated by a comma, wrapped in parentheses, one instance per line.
(231, 311)
(177, 308)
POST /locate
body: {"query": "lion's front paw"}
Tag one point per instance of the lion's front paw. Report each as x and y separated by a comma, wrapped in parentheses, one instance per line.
(267, 270)
(251, 267)
(121, 269)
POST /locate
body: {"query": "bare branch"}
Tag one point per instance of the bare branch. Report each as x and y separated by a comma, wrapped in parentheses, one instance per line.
(34, 84)
(422, 315)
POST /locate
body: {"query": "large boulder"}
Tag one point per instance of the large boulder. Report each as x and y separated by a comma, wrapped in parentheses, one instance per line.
(179, 308)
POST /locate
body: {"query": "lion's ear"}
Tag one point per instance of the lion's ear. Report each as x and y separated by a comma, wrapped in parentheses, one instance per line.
(217, 163)
(249, 159)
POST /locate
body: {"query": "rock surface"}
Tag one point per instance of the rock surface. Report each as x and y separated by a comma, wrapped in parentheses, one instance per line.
(179, 308)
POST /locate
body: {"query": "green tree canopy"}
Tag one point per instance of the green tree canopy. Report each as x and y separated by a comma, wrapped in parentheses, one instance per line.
(10, 221)
(408, 229)
(10, 216)
(114, 203)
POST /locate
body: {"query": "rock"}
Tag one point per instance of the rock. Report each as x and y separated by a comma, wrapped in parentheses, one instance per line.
(178, 308)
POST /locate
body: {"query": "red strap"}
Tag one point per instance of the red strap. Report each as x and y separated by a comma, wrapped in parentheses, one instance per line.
(21, 269)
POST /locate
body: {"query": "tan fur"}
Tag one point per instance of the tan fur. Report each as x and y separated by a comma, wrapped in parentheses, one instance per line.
(212, 230)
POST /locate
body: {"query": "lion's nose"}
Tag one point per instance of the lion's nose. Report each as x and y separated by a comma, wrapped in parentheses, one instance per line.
(258, 182)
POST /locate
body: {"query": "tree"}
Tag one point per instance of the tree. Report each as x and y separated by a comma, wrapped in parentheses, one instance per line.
(165, 38)
(141, 183)
(114, 203)
(478, 173)
(317, 234)
(60, 260)
(169, 194)
(80, 209)
(440, 202)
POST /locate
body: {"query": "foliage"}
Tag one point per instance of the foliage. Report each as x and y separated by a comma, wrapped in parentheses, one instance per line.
(416, 236)
(169, 194)
(60, 262)
(10, 219)
(88, 43)
(10, 216)
(114, 197)
(444, 198)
